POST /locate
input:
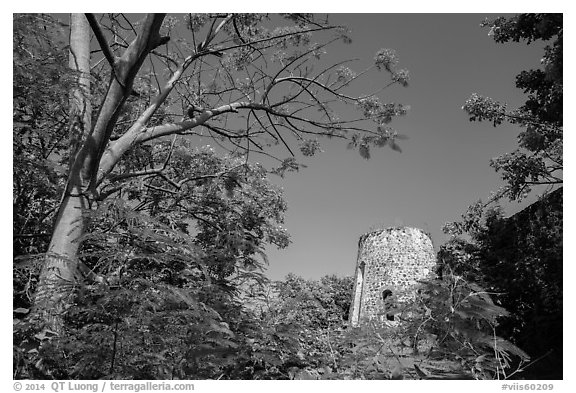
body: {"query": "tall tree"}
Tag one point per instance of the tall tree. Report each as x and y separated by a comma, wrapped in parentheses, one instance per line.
(63, 248)
(226, 77)
(539, 160)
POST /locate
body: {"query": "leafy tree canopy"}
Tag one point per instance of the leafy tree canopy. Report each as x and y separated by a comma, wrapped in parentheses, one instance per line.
(251, 85)
(141, 192)
(539, 158)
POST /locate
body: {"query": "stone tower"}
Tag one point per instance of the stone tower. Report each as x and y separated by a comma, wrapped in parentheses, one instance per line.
(390, 262)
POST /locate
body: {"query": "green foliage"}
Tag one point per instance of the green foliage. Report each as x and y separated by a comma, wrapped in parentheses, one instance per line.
(463, 319)
(42, 81)
(155, 312)
(314, 304)
(227, 204)
(41, 84)
(146, 325)
(316, 312)
(539, 159)
(519, 260)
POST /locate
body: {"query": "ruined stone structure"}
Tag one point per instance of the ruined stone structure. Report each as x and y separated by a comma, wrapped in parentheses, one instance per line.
(389, 264)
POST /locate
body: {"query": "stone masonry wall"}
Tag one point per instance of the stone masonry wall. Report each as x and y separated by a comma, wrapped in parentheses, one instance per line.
(394, 259)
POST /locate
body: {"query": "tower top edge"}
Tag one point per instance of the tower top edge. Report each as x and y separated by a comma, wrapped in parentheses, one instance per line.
(378, 232)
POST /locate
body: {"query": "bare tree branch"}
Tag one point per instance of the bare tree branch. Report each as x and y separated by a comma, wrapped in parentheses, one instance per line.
(101, 40)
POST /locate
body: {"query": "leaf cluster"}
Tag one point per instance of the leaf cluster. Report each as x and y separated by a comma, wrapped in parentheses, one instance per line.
(519, 260)
(539, 159)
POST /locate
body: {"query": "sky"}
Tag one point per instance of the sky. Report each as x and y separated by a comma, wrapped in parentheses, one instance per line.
(444, 165)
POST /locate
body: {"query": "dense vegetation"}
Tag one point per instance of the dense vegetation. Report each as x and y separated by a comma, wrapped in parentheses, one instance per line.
(519, 259)
(164, 276)
(152, 328)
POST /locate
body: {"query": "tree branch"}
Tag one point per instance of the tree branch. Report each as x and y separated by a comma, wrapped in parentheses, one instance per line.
(95, 26)
(126, 67)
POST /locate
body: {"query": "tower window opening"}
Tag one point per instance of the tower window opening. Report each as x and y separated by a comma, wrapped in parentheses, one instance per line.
(388, 300)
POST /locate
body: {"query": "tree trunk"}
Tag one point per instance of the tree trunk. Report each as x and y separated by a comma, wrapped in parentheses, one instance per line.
(60, 273)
